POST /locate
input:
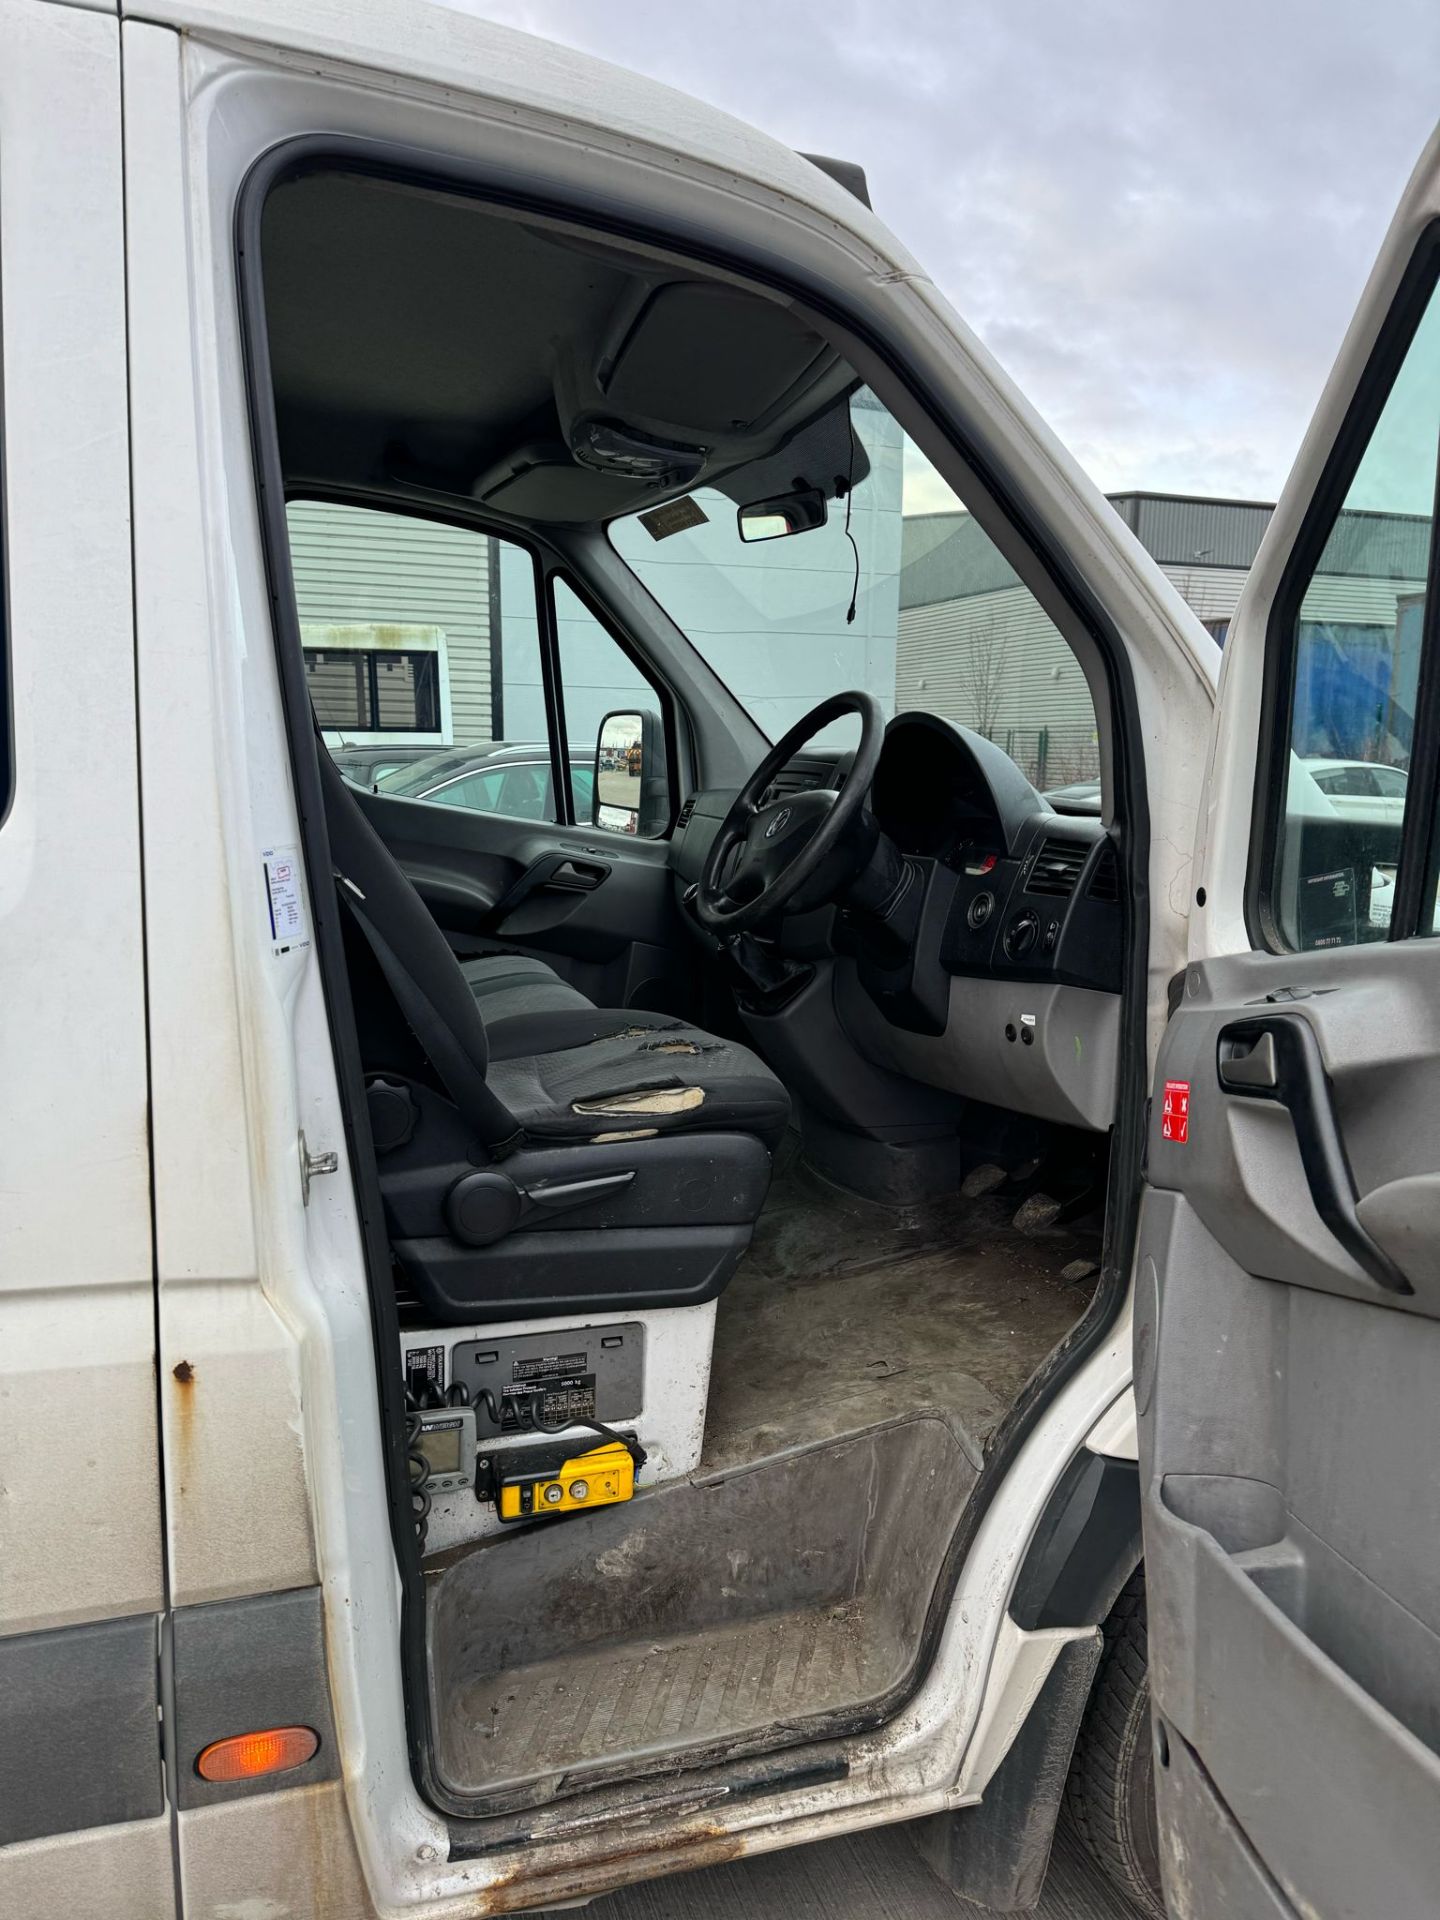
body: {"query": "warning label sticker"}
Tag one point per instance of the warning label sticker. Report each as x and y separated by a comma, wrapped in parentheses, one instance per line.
(678, 516)
(1175, 1114)
(561, 1401)
(424, 1371)
(541, 1366)
(285, 900)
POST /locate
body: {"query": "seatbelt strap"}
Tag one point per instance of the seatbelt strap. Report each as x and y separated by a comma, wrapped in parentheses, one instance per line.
(462, 1079)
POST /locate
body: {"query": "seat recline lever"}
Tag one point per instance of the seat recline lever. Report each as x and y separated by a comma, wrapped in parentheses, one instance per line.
(482, 1207)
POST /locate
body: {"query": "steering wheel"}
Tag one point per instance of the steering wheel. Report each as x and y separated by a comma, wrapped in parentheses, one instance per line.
(784, 845)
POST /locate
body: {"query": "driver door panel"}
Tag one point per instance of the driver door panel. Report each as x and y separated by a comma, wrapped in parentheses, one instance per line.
(1288, 1413)
(597, 906)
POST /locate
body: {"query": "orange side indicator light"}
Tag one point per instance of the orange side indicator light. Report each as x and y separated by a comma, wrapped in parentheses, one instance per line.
(250, 1756)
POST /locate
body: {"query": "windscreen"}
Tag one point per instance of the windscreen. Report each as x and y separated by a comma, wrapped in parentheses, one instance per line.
(899, 592)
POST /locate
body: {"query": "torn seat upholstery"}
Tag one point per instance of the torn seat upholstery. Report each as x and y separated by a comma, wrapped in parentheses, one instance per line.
(603, 1073)
(556, 1157)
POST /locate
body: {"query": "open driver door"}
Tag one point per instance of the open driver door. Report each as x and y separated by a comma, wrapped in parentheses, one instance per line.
(1287, 1344)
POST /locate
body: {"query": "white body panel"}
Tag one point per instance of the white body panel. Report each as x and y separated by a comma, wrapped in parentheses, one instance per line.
(77, 1304)
(75, 1262)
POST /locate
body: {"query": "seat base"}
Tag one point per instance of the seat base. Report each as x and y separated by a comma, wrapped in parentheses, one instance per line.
(671, 1236)
(613, 1269)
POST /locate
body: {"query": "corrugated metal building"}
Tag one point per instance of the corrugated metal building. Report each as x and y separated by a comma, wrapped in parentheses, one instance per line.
(368, 582)
(974, 646)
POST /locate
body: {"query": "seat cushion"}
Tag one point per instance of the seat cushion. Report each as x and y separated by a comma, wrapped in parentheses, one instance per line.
(508, 985)
(628, 1074)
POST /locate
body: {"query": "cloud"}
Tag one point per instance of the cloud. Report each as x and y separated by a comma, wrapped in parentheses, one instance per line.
(1159, 217)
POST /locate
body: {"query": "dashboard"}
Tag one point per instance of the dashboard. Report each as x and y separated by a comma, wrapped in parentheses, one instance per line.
(998, 974)
(930, 794)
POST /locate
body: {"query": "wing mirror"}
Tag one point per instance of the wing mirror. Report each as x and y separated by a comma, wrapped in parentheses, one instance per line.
(631, 788)
(783, 513)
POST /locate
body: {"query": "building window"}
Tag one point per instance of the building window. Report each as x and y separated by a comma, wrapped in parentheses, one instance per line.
(367, 691)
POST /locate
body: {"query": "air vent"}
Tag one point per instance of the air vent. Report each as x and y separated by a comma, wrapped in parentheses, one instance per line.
(799, 777)
(1057, 867)
(683, 818)
(1105, 880)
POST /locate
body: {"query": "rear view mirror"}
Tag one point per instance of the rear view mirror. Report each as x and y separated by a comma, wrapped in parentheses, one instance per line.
(785, 513)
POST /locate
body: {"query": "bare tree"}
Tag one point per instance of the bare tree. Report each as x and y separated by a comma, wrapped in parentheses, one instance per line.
(982, 673)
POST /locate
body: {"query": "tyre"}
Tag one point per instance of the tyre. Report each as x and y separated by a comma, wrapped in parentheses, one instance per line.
(1110, 1795)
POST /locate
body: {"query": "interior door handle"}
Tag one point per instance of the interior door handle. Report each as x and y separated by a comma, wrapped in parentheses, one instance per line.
(562, 870)
(1251, 1069)
(1277, 1057)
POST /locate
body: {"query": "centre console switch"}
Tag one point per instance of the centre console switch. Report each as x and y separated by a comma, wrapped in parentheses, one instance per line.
(1021, 935)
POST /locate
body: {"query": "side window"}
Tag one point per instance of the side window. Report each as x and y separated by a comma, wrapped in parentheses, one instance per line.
(1354, 683)
(422, 656)
(481, 792)
(613, 724)
(1391, 783)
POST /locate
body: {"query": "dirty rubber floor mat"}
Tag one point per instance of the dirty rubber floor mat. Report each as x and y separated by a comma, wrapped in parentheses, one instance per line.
(705, 1616)
(679, 1691)
(844, 1314)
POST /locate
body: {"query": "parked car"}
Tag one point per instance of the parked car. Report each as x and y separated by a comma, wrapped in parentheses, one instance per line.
(512, 779)
(1364, 790)
(1080, 797)
(367, 766)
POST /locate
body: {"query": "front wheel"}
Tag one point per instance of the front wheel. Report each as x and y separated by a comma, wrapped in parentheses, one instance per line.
(1111, 1790)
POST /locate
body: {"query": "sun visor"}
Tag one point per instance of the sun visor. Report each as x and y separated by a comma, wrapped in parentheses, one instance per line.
(711, 358)
(819, 455)
(542, 482)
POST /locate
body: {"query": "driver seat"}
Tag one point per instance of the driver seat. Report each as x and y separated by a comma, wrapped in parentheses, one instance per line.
(565, 1158)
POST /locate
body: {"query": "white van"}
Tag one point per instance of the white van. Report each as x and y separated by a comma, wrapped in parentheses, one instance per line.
(577, 1321)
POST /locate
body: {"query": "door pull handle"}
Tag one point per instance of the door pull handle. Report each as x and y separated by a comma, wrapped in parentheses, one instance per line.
(1251, 1068)
(1277, 1057)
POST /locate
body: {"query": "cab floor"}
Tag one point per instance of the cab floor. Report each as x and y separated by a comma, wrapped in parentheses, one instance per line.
(845, 1314)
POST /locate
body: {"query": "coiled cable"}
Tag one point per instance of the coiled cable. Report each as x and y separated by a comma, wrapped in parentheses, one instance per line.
(528, 1418)
(418, 1467)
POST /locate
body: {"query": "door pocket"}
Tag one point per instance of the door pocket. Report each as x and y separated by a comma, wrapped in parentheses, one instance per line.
(1349, 1619)
(1293, 1659)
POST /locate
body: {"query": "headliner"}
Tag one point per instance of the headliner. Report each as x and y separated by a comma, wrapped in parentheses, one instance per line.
(424, 342)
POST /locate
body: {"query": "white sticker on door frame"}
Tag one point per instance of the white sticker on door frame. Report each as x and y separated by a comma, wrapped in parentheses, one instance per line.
(285, 899)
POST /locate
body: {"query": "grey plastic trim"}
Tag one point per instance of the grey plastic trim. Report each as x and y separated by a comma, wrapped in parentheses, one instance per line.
(79, 1731)
(1085, 1547)
(1202, 1844)
(245, 1664)
(1033, 1047)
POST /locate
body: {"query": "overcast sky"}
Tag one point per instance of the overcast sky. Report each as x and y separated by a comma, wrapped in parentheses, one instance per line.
(1158, 215)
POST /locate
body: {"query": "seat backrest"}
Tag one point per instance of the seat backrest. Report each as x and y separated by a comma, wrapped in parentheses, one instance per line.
(415, 957)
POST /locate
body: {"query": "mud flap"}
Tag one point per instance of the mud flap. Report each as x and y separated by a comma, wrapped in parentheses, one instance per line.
(996, 1854)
